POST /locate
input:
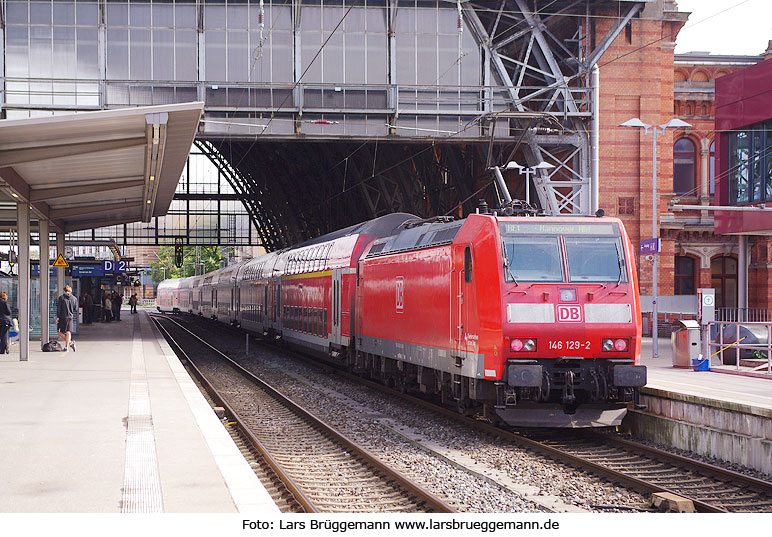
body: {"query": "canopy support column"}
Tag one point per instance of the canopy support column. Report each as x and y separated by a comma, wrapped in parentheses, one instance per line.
(45, 280)
(59, 270)
(22, 218)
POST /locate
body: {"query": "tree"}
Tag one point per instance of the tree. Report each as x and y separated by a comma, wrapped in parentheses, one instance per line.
(164, 267)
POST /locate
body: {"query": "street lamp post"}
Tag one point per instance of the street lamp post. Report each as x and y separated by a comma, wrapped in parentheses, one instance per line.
(528, 173)
(654, 129)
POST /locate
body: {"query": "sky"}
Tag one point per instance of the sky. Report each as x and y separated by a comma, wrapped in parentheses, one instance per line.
(742, 27)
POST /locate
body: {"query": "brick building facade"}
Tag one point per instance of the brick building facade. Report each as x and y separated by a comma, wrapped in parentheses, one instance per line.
(640, 76)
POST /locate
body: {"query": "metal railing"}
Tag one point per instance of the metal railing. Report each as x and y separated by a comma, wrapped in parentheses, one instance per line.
(753, 315)
(391, 99)
(757, 350)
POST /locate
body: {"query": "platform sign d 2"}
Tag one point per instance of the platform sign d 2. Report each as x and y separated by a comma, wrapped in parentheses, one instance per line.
(114, 267)
(650, 246)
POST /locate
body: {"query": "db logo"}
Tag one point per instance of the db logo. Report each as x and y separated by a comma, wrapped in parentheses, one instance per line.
(400, 288)
(569, 314)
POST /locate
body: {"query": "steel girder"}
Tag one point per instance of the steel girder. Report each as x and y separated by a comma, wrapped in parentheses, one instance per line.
(544, 61)
(296, 191)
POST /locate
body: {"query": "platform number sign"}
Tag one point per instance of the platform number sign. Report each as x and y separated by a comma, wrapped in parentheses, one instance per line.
(114, 267)
(400, 294)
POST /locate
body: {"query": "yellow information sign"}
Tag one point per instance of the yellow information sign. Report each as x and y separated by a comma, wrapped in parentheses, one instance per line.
(60, 262)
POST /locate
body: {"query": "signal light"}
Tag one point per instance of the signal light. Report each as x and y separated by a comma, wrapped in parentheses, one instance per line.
(178, 255)
(620, 345)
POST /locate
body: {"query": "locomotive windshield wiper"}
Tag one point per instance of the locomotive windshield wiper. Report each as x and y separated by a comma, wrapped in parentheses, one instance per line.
(506, 261)
(621, 261)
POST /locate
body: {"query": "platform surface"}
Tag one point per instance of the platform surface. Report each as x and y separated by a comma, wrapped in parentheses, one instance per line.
(721, 383)
(117, 426)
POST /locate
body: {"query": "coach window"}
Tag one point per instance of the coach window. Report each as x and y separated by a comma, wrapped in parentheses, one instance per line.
(468, 264)
(684, 166)
(325, 322)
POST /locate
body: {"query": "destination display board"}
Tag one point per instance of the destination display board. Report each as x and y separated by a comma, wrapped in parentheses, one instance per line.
(595, 229)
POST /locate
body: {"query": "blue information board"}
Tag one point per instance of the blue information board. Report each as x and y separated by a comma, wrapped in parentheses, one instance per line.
(80, 271)
(35, 270)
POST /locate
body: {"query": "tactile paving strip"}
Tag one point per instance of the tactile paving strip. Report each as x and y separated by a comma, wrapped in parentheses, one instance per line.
(141, 482)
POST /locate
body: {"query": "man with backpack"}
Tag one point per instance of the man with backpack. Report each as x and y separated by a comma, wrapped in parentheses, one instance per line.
(66, 309)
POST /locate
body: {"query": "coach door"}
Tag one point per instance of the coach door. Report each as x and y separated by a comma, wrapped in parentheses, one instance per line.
(335, 314)
(275, 302)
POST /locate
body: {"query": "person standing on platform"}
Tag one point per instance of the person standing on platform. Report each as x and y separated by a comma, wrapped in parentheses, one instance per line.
(117, 301)
(133, 303)
(5, 322)
(66, 309)
(107, 307)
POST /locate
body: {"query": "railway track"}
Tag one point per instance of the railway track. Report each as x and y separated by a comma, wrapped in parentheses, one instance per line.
(711, 488)
(637, 466)
(323, 470)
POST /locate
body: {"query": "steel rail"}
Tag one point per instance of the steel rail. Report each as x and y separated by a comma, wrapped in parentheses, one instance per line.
(558, 454)
(573, 460)
(427, 497)
(672, 458)
(555, 453)
(285, 478)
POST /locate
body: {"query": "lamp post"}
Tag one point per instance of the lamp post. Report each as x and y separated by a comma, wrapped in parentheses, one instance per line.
(654, 129)
(528, 173)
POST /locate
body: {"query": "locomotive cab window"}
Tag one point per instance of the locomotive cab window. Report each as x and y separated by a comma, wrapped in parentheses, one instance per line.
(595, 259)
(532, 259)
(532, 252)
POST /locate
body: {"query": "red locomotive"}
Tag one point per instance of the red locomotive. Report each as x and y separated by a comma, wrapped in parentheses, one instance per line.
(531, 321)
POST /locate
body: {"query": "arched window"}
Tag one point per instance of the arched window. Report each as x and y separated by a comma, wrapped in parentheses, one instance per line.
(684, 165)
(684, 276)
(712, 168)
(723, 272)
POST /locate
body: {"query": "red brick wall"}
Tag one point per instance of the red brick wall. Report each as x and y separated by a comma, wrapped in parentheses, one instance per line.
(636, 80)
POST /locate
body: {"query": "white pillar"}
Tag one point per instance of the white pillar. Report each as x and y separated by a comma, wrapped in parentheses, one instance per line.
(595, 141)
(45, 261)
(704, 168)
(22, 218)
(59, 270)
(742, 274)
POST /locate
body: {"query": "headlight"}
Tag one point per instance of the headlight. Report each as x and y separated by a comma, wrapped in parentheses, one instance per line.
(615, 345)
(518, 345)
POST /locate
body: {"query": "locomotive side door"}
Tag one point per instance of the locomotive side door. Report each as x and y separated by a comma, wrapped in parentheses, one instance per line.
(335, 317)
(460, 277)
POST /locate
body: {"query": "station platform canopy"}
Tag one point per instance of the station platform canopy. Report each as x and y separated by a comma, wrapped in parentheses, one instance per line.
(93, 169)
